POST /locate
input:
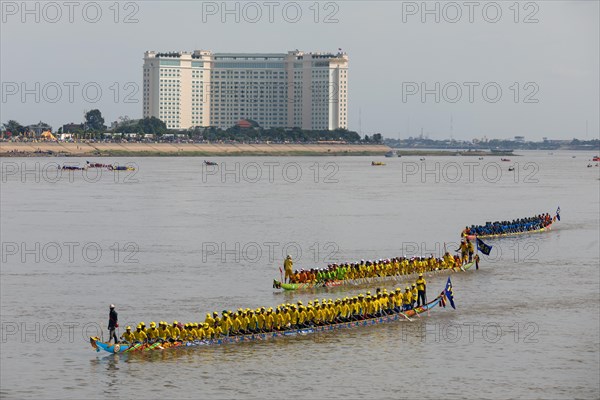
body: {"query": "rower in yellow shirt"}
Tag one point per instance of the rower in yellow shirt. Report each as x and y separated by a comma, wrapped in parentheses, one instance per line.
(210, 320)
(286, 317)
(261, 319)
(294, 317)
(195, 331)
(253, 321)
(185, 333)
(207, 332)
(245, 321)
(217, 332)
(407, 299)
(200, 330)
(226, 325)
(140, 335)
(152, 332)
(128, 336)
(398, 300)
(301, 316)
(310, 315)
(174, 331)
(163, 331)
(269, 320)
(235, 324)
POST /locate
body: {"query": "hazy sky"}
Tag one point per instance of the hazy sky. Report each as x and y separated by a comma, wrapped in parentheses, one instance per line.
(542, 56)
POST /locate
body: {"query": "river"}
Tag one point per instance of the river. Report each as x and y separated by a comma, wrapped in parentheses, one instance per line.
(175, 239)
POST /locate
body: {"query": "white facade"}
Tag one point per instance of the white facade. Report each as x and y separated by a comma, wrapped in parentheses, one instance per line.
(297, 89)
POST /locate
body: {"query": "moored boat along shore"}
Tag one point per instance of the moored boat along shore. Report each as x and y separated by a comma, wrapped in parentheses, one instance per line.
(44, 149)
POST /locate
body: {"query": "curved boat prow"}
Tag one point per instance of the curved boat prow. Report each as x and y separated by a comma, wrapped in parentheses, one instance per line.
(108, 347)
(93, 341)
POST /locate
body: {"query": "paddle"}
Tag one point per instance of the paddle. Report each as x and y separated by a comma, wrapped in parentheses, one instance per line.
(405, 316)
(417, 312)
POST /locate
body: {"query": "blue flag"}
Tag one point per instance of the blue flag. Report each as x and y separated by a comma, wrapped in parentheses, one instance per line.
(558, 213)
(485, 248)
(449, 294)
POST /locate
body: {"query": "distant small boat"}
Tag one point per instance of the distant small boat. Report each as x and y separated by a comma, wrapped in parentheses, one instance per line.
(210, 163)
(97, 165)
(390, 154)
(505, 159)
(422, 158)
(511, 168)
(120, 168)
(596, 158)
(481, 158)
(573, 156)
(377, 163)
(590, 165)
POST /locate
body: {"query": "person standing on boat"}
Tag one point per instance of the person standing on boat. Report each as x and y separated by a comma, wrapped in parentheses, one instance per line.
(415, 294)
(288, 266)
(463, 248)
(471, 249)
(421, 288)
(476, 261)
(113, 324)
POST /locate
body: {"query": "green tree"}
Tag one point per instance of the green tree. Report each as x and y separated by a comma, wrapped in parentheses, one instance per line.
(152, 125)
(14, 127)
(94, 120)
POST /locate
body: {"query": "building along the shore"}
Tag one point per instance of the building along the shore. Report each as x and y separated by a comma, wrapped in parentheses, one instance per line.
(201, 88)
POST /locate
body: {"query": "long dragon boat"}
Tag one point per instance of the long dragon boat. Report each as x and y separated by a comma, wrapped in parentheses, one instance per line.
(550, 221)
(356, 282)
(120, 348)
(511, 234)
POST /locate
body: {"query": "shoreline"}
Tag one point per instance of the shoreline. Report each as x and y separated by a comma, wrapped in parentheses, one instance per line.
(25, 149)
(53, 149)
(467, 153)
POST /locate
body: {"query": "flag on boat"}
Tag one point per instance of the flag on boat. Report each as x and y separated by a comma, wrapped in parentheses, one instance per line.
(448, 293)
(558, 213)
(485, 248)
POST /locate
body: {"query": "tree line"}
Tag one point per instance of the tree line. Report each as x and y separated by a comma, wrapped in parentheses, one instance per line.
(93, 128)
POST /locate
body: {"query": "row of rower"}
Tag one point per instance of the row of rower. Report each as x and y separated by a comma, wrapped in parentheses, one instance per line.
(515, 226)
(284, 317)
(384, 267)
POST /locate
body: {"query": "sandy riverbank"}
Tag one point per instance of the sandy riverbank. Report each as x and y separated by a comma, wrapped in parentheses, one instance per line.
(16, 149)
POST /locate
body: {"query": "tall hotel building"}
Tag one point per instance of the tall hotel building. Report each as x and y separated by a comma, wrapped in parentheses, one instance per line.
(201, 88)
